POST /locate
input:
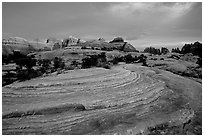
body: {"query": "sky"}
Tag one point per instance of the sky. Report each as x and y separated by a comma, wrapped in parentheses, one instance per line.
(141, 24)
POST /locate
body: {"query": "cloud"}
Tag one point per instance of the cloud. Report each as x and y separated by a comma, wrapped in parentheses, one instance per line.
(172, 10)
(136, 37)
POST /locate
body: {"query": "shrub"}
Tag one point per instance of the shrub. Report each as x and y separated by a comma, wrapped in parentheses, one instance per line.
(94, 60)
(70, 67)
(75, 63)
(152, 50)
(115, 60)
(83, 47)
(26, 62)
(164, 50)
(199, 62)
(58, 63)
(195, 49)
(176, 50)
(142, 58)
(128, 58)
(144, 63)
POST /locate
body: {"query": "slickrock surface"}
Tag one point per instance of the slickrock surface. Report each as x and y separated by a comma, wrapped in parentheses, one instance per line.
(127, 99)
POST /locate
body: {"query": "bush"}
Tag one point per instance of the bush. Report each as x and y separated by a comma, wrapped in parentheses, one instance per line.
(94, 60)
(58, 63)
(75, 63)
(142, 58)
(144, 63)
(128, 58)
(199, 62)
(26, 62)
(87, 62)
(115, 60)
(195, 49)
(83, 47)
(70, 67)
(152, 50)
(164, 50)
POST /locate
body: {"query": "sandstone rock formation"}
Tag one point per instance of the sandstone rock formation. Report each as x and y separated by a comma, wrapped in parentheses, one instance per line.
(70, 41)
(11, 44)
(121, 45)
(127, 99)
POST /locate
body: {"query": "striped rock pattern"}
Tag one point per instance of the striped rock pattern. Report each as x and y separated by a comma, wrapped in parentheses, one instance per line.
(89, 101)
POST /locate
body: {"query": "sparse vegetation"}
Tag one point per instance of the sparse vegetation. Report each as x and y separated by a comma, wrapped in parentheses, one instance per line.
(152, 50)
(95, 60)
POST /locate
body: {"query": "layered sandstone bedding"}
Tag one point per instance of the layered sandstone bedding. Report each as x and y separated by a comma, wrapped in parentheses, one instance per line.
(127, 99)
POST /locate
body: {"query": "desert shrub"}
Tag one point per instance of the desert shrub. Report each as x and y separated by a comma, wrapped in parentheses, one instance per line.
(176, 50)
(199, 62)
(70, 67)
(26, 75)
(152, 50)
(115, 60)
(192, 72)
(86, 62)
(75, 63)
(144, 63)
(94, 60)
(190, 58)
(128, 58)
(142, 58)
(58, 63)
(5, 59)
(26, 62)
(17, 55)
(45, 65)
(164, 50)
(83, 47)
(102, 56)
(195, 49)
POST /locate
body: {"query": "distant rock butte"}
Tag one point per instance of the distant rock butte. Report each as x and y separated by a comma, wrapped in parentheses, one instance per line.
(11, 44)
(24, 46)
(116, 44)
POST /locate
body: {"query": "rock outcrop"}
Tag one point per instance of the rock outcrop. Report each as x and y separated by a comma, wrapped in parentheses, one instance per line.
(11, 44)
(70, 41)
(120, 44)
(118, 39)
(116, 44)
(125, 98)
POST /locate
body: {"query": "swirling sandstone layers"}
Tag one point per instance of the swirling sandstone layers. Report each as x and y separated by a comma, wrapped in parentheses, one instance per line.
(91, 101)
